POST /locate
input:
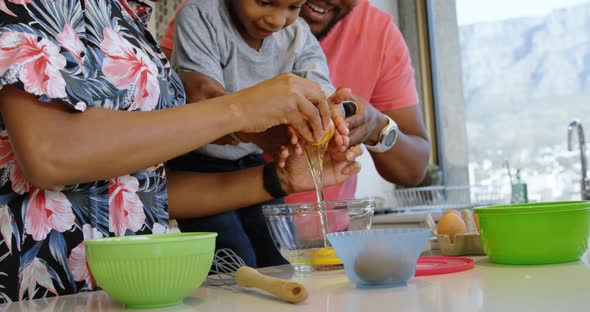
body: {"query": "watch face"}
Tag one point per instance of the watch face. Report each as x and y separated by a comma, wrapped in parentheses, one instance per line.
(389, 138)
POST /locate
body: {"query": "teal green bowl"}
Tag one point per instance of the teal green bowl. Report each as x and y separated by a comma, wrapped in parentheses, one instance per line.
(535, 233)
(147, 271)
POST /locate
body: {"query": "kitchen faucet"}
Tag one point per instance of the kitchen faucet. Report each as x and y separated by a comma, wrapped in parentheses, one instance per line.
(585, 183)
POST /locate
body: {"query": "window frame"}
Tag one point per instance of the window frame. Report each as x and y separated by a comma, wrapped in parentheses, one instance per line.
(432, 34)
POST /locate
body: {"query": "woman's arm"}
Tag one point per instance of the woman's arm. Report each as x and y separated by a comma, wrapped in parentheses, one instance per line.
(199, 87)
(274, 141)
(55, 146)
(220, 192)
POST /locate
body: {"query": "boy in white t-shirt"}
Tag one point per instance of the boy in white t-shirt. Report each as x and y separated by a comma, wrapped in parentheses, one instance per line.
(231, 45)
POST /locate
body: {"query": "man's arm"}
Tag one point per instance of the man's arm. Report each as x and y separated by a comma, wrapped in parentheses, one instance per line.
(405, 163)
(395, 95)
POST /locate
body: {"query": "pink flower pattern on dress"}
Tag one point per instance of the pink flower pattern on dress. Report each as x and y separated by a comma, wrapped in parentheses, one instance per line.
(53, 50)
(31, 275)
(125, 66)
(6, 152)
(6, 229)
(79, 266)
(9, 43)
(158, 228)
(5, 9)
(125, 207)
(46, 211)
(77, 259)
(69, 39)
(20, 184)
(90, 232)
(41, 63)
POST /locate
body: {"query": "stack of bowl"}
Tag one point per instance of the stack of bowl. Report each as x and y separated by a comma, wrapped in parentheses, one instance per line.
(535, 233)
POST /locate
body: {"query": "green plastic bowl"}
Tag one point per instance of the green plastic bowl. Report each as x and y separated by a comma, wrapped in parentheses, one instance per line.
(535, 233)
(147, 271)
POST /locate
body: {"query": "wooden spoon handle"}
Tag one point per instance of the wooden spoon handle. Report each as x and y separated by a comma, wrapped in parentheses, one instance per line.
(287, 290)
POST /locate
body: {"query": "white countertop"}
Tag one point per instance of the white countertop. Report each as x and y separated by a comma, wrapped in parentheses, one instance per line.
(486, 287)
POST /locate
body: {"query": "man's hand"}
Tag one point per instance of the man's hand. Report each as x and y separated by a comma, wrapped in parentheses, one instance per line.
(340, 141)
(365, 126)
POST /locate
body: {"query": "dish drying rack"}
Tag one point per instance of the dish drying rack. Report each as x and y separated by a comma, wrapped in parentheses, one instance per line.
(437, 199)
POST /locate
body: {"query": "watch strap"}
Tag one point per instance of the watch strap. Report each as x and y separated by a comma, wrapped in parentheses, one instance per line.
(272, 183)
(380, 146)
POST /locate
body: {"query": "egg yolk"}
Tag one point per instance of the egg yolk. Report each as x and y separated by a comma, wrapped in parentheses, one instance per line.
(325, 256)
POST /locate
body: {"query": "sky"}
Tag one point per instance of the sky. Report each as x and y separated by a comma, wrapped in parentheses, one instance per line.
(473, 11)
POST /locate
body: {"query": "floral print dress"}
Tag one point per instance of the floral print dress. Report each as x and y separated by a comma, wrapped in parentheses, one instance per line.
(79, 53)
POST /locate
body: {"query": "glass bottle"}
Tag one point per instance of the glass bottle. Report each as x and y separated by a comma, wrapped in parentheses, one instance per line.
(519, 189)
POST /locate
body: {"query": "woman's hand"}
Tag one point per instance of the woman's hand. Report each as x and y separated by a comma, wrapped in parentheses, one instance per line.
(338, 166)
(286, 99)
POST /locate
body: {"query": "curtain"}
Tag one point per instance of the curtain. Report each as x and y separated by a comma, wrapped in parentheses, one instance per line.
(164, 10)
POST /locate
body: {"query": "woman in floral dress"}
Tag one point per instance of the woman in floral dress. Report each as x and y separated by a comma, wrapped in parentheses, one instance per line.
(86, 95)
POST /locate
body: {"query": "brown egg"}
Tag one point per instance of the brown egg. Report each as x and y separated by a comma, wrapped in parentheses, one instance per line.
(452, 211)
(451, 224)
(376, 263)
(476, 218)
(379, 263)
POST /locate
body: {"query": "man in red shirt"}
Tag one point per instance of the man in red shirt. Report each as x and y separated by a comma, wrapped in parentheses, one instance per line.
(367, 53)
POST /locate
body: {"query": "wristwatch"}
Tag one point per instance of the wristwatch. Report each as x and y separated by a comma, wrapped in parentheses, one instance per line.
(387, 137)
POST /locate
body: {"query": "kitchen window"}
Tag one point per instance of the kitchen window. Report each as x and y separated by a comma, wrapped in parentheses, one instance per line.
(507, 78)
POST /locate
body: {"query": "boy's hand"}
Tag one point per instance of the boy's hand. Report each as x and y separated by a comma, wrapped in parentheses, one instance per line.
(279, 142)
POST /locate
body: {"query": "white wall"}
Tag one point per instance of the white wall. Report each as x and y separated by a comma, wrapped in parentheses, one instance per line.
(369, 181)
(389, 6)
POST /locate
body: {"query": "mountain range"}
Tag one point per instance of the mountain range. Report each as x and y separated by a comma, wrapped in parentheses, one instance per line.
(527, 74)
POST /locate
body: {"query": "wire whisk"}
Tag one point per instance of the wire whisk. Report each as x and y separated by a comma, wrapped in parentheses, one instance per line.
(229, 269)
(225, 265)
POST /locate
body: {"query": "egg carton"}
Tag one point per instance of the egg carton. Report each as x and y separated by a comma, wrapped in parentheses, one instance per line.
(465, 244)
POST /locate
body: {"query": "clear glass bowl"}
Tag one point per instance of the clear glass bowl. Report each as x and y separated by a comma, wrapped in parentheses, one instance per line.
(297, 230)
